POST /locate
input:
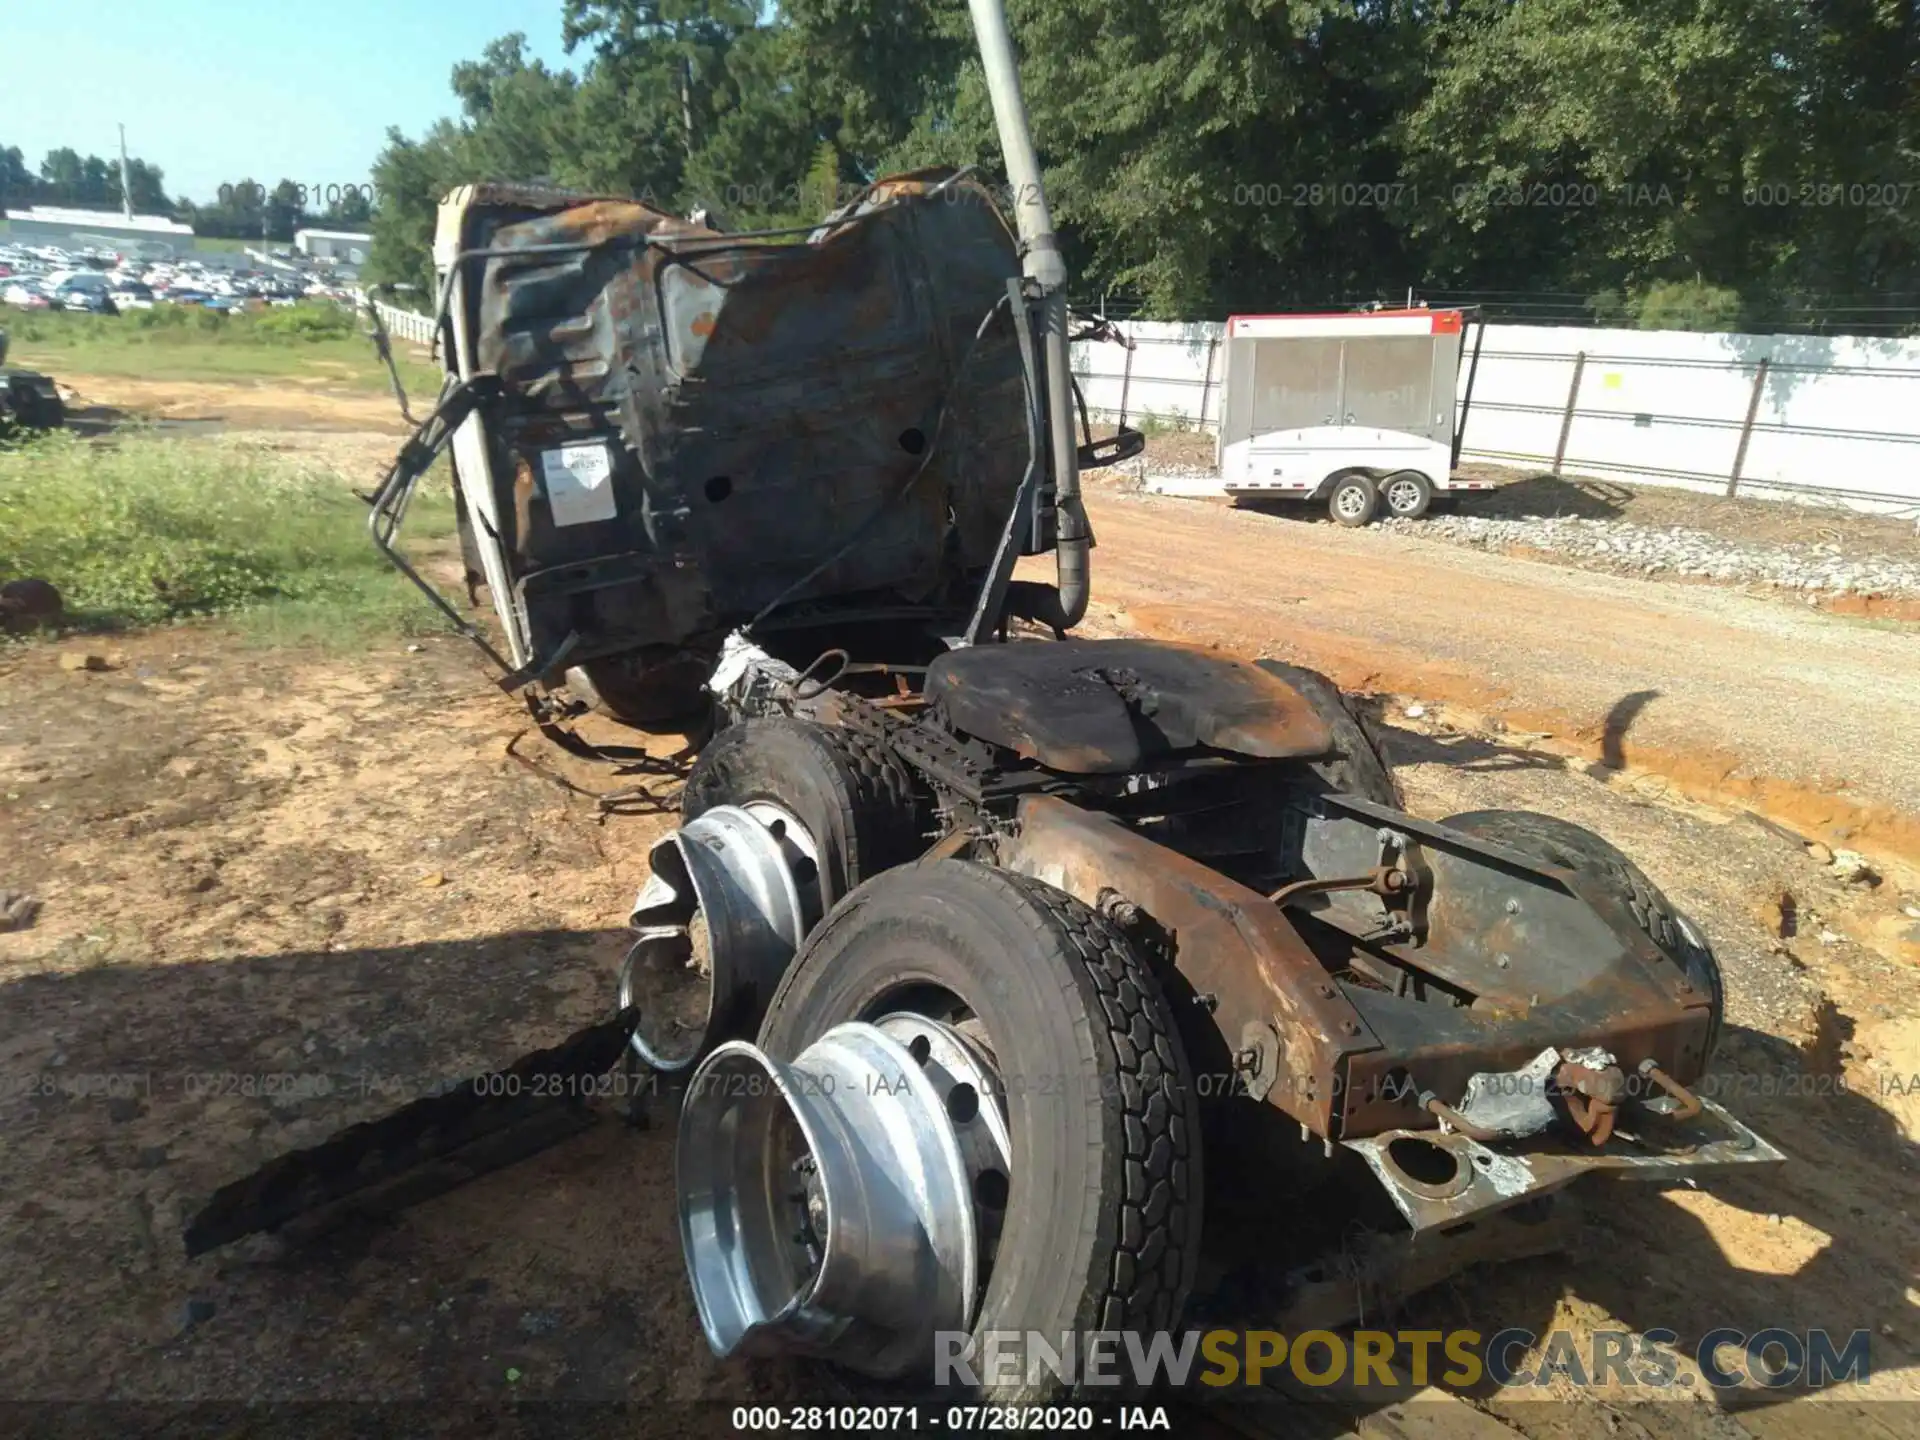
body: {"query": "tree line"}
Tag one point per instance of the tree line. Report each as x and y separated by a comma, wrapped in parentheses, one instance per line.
(1691, 162)
(242, 209)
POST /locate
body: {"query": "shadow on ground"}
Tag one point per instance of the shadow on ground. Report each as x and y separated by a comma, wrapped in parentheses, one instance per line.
(134, 1090)
(1543, 496)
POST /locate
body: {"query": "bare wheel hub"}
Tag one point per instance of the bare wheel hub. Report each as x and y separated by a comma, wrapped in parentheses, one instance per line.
(731, 895)
(845, 1205)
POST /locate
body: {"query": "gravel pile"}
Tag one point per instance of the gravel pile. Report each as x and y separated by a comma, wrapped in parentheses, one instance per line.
(1675, 551)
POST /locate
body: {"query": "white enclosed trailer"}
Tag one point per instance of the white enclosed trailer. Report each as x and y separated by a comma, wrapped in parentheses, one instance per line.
(1355, 410)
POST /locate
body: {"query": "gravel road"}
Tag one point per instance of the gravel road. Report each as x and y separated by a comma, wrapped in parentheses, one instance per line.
(1804, 715)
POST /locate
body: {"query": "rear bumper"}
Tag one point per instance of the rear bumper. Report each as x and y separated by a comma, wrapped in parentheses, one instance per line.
(1440, 1178)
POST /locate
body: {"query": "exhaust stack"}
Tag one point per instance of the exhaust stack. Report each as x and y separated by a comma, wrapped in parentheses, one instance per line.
(1043, 264)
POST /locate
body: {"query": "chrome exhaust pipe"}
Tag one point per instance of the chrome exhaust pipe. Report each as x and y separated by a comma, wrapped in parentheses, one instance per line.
(1043, 264)
(731, 896)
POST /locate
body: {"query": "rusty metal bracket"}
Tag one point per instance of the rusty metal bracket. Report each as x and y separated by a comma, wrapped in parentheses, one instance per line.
(1438, 1179)
(1383, 880)
(1258, 1059)
(1690, 1104)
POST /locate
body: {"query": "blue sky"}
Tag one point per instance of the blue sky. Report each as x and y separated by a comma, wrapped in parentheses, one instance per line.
(217, 90)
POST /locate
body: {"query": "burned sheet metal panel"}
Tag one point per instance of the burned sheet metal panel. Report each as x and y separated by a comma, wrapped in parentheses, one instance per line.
(1508, 957)
(695, 422)
(1285, 1031)
(1111, 707)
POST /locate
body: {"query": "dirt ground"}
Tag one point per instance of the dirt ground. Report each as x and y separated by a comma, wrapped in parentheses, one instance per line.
(1804, 716)
(266, 863)
(278, 404)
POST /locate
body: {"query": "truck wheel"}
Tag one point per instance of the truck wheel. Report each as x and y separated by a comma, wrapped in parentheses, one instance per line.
(1407, 494)
(1097, 1228)
(852, 798)
(1573, 847)
(1357, 766)
(1353, 499)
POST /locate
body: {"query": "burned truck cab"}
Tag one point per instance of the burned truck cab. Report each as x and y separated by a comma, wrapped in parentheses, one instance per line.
(684, 427)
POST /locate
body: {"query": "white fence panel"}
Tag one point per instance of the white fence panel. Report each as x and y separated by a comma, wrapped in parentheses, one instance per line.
(1173, 373)
(1835, 419)
(405, 324)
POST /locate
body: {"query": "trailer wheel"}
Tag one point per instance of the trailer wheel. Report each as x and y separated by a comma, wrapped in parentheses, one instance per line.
(1353, 499)
(1573, 847)
(1407, 494)
(854, 800)
(1358, 767)
(1097, 1227)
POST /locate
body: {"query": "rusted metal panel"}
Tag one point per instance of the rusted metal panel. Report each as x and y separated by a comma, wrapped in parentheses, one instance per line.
(1332, 1047)
(1111, 707)
(761, 401)
(1243, 959)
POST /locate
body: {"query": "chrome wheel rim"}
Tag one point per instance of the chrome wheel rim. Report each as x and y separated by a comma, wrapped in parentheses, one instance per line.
(844, 1205)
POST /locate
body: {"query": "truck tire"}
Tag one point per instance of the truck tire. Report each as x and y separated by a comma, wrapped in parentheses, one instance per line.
(1102, 1211)
(855, 800)
(1357, 767)
(1353, 499)
(1560, 842)
(1407, 494)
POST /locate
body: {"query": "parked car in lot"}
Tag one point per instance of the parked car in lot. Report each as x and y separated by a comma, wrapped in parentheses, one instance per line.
(25, 292)
(131, 295)
(86, 290)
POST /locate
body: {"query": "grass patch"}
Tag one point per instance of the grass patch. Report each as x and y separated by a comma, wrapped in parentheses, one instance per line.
(149, 530)
(314, 340)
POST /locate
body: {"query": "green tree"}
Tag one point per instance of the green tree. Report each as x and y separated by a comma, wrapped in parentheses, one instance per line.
(1607, 142)
(149, 188)
(1213, 155)
(18, 184)
(349, 210)
(62, 176)
(410, 177)
(283, 211)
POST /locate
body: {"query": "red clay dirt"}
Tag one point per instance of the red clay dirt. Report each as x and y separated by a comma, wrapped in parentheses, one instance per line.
(273, 863)
(1734, 699)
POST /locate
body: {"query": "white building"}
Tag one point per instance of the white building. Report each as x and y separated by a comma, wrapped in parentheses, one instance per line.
(149, 236)
(346, 246)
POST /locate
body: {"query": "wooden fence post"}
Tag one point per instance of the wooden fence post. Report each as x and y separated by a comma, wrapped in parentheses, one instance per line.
(1566, 420)
(1206, 384)
(1746, 430)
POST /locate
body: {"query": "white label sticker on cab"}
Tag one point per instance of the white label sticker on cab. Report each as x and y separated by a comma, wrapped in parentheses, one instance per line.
(579, 480)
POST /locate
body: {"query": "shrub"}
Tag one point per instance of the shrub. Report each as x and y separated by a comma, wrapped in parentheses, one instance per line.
(150, 530)
(305, 321)
(1687, 305)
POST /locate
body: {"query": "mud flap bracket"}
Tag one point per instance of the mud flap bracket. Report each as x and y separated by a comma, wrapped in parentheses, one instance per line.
(1438, 1179)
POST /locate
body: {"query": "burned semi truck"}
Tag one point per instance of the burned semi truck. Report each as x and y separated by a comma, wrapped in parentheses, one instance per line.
(980, 946)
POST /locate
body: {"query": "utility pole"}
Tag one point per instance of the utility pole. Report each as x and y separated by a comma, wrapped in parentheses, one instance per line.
(686, 99)
(126, 177)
